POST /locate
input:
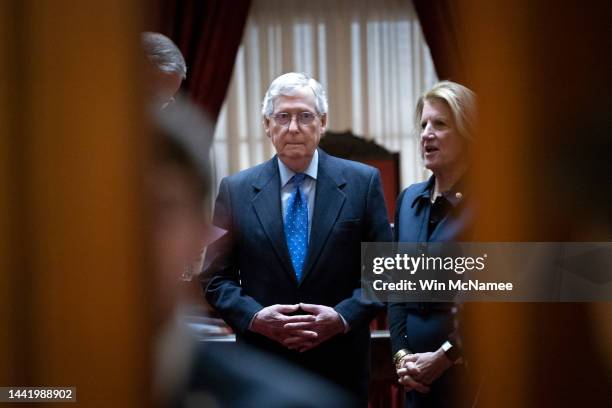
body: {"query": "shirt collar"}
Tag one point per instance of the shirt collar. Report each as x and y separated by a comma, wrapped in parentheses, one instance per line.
(425, 192)
(454, 196)
(286, 173)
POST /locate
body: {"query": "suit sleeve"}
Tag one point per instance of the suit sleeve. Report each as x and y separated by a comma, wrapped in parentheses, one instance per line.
(397, 312)
(220, 278)
(356, 311)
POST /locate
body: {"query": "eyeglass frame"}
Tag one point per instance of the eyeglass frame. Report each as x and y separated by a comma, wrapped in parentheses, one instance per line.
(297, 118)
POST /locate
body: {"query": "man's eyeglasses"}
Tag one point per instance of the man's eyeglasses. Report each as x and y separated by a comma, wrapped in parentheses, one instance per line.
(303, 118)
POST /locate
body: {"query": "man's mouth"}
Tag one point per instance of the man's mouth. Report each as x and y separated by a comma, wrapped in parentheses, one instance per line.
(430, 149)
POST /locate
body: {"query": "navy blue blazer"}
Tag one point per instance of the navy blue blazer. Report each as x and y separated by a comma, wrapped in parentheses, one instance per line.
(427, 332)
(250, 267)
(424, 327)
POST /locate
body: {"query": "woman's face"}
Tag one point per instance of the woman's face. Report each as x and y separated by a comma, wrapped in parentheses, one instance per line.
(442, 148)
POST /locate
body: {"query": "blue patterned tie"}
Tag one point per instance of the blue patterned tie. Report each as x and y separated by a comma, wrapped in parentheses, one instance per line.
(296, 226)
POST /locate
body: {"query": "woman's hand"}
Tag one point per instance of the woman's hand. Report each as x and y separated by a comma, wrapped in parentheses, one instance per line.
(430, 365)
(408, 372)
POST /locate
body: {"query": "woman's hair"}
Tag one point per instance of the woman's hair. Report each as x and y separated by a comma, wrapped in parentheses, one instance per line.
(460, 100)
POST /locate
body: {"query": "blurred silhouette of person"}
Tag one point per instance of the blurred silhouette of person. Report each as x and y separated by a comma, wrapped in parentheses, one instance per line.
(168, 69)
(426, 352)
(165, 73)
(287, 275)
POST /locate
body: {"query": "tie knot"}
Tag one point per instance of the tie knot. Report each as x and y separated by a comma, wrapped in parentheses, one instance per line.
(299, 178)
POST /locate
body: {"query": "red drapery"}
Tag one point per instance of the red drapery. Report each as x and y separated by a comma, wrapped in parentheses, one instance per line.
(442, 31)
(208, 34)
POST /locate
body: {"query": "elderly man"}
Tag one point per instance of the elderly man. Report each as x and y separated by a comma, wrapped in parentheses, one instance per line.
(168, 67)
(187, 370)
(286, 277)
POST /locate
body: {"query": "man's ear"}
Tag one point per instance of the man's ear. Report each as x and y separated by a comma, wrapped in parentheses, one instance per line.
(266, 125)
(323, 123)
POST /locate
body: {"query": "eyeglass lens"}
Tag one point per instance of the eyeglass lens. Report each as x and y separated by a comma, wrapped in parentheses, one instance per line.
(303, 118)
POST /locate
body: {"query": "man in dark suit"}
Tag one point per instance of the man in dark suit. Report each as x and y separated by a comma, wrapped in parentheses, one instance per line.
(190, 372)
(286, 276)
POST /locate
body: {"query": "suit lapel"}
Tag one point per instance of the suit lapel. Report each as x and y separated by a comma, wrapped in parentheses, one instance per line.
(329, 200)
(267, 206)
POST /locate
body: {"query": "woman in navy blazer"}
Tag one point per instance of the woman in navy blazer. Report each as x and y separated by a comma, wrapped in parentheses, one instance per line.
(426, 353)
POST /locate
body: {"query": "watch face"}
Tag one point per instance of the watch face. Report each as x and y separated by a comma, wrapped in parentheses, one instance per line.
(451, 352)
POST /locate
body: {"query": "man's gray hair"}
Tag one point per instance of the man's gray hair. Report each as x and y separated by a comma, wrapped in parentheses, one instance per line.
(163, 53)
(288, 85)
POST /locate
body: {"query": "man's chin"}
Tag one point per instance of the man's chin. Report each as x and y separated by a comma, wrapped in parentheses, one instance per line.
(297, 152)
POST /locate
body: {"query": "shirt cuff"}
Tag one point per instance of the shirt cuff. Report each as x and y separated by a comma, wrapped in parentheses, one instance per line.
(346, 326)
(251, 322)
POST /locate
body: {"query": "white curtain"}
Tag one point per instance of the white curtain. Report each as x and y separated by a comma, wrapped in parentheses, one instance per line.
(370, 56)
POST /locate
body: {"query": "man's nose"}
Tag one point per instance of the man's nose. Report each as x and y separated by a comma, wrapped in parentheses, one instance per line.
(293, 124)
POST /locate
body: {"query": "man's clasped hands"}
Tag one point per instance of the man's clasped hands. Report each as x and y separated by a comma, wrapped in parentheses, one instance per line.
(298, 327)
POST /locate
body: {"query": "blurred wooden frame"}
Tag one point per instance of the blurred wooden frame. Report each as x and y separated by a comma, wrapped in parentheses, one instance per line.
(533, 65)
(7, 301)
(495, 44)
(75, 287)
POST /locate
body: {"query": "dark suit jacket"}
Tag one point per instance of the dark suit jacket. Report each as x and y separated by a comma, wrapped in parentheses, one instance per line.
(250, 267)
(423, 327)
(411, 222)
